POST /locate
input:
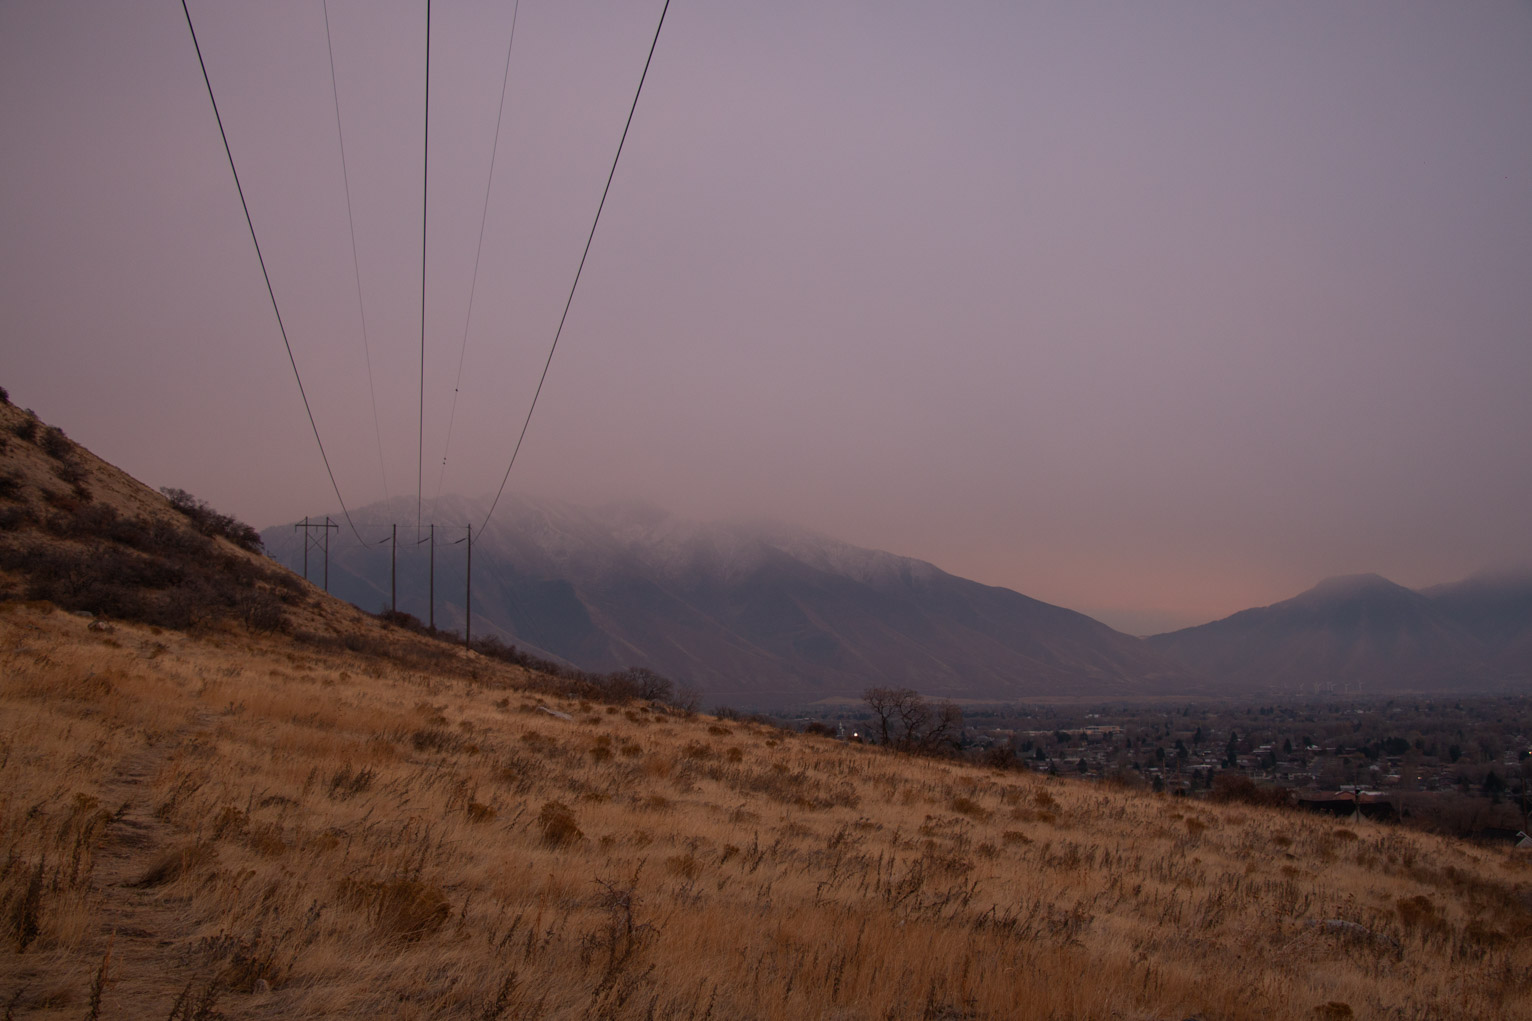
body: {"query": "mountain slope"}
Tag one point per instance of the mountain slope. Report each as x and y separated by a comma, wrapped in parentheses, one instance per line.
(1362, 632)
(757, 612)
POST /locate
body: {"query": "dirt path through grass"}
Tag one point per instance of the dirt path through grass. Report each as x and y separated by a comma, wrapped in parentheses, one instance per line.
(134, 920)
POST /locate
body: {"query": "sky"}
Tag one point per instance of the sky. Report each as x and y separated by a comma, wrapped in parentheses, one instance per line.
(1152, 310)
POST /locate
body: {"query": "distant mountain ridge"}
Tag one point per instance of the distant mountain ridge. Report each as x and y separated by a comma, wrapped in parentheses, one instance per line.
(767, 613)
(1365, 633)
(751, 612)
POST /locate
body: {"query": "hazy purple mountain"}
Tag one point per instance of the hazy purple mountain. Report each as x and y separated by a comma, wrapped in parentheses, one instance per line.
(1365, 633)
(749, 613)
(755, 613)
(1496, 608)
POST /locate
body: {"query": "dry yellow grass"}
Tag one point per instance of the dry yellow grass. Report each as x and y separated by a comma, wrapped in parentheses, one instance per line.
(225, 824)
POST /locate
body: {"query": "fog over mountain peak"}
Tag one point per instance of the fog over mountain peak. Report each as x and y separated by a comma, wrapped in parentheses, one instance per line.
(1354, 584)
(746, 611)
(767, 612)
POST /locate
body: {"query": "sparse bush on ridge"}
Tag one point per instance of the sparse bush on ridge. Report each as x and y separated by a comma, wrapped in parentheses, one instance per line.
(131, 569)
(622, 686)
(211, 523)
(55, 444)
(398, 618)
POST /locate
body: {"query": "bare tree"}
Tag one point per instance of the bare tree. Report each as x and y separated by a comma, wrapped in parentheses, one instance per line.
(905, 720)
(882, 702)
(914, 719)
(946, 726)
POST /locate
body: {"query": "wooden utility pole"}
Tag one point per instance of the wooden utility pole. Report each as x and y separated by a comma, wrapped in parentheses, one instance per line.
(393, 573)
(431, 584)
(468, 595)
(324, 544)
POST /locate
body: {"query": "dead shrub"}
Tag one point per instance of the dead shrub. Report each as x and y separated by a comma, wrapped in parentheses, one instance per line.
(619, 936)
(267, 841)
(248, 960)
(1481, 936)
(176, 864)
(795, 787)
(688, 866)
(558, 824)
(348, 782)
(435, 739)
(969, 807)
(25, 910)
(55, 444)
(261, 612)
(403, 909)
(229, 822)
(1417, 912)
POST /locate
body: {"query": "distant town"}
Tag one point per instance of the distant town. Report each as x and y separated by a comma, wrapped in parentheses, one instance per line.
(1454, 765)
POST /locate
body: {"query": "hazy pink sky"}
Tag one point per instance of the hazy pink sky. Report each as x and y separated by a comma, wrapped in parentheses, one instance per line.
(1154, 310)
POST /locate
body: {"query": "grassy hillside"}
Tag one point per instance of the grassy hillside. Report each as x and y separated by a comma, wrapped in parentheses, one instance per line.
(230, 824)
(254, 801)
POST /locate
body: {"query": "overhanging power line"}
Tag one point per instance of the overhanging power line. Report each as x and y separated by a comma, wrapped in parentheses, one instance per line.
(580, 269)
(270, 292)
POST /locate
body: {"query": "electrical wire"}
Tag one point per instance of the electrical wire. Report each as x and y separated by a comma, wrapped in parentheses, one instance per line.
(478, 252)
(425, 194)
(356, 264)
(270, 292)
(570, 300)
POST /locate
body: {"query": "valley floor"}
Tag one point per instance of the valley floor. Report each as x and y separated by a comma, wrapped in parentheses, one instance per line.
(224, 825)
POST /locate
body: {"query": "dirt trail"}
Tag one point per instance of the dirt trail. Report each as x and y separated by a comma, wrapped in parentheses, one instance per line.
(133, 913)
